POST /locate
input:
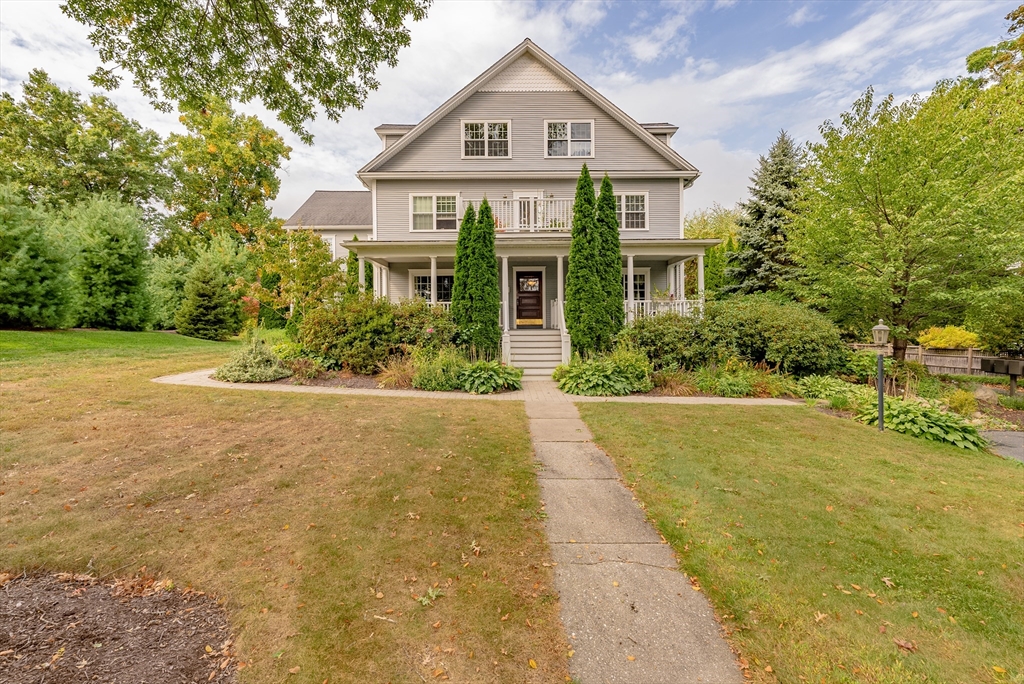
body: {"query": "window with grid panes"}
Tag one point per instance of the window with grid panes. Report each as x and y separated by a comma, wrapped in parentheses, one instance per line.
(485, 139)
(639, 286)
(631, 211)
(421, 287)
(570, 138)
(435, 212)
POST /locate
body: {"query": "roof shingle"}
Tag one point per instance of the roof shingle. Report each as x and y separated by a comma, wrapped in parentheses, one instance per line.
(334, 208)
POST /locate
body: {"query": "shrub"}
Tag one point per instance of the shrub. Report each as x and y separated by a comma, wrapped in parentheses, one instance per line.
(1012, 403)
(305, 368)
(633, 366)
(438, 370)
(674, 383)
(786, 335)
(254, 362)
(623, 371)
(396, 372)
(863, 365)
(737, 378)
(166, 284)
(417, 323)
(35, 290)
(485, 377)
(962, 402)
(288, 351)
(949, 337)
(110, 267)
(924, 421)
(669, 340)
(210, 310)
(822, 387)
(357, 332)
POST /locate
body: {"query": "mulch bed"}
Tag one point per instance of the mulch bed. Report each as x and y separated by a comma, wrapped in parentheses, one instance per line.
(1003, 413)
(73, 628)
(334, 379)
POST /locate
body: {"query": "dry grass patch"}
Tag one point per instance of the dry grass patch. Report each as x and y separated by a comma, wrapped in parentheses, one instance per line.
(351, 539)
(831, 552)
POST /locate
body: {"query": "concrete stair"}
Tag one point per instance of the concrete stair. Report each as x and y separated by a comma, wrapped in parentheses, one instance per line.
(537, 352)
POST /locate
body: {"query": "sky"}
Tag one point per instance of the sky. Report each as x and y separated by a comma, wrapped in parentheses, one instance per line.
(729, 73)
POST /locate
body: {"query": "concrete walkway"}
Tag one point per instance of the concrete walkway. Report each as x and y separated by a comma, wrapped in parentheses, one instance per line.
(544, 390)
(1005, 443)
(629, 613)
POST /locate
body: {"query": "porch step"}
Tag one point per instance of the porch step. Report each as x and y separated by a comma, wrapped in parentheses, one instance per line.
(537, 352)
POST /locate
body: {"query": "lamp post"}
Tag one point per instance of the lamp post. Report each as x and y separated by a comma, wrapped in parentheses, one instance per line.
(881, 335)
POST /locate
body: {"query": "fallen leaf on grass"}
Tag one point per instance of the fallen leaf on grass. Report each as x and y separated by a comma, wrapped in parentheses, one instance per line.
(887, 581)
(819, 616)
(998, 670)
(908, 646)
(294, 670)
(630, 658)
(533, 663)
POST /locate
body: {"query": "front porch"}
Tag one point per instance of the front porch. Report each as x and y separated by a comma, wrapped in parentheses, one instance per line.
(532, 279)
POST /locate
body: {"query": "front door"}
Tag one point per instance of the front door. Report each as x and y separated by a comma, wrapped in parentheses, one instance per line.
(529, 299)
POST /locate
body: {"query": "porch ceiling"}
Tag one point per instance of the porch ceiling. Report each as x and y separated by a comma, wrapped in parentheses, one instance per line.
(670, 250)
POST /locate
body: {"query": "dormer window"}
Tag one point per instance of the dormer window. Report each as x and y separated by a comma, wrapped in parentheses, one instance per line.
(570, 138)
(485, 139)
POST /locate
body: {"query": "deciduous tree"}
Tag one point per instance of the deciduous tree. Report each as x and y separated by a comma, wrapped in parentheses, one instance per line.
(296, 56)
(1006, 57)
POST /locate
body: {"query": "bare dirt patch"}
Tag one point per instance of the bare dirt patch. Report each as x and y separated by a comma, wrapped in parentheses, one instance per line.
(72, 628)
(334, 379)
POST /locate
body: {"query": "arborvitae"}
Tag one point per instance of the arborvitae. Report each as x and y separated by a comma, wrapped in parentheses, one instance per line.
(34, 287)
(584, 291)
(763, 261)
(110, 268)
(210, 310)
(460, 287)
(609, 254)
(479, 313)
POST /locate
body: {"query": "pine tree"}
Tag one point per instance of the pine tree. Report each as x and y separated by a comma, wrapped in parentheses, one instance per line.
(763, 261)
(476, 269)
(609, 253)
(110, 268)
(35, 290)
(460, 289)
(584, 291)
(210, 310)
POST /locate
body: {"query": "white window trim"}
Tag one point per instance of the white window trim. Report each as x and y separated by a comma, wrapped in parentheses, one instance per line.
(433, 197)
(569, 122)
(647, 211)
(641, 270)
(330, 241)
(462, 137)
(413, 272)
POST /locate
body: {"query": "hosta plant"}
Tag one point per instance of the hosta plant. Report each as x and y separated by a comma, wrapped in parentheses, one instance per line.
(823, 387)
(486, 377)
(924, 421)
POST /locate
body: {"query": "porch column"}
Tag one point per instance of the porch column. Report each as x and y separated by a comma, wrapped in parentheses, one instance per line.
(673, 277)
(362, 274)
(433, 280)
(682, 279)
(504, 292)
(700, 277)
(561, 293)
(629, 287)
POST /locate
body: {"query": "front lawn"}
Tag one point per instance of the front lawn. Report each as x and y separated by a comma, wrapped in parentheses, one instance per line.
(350, 539)
(833, 553)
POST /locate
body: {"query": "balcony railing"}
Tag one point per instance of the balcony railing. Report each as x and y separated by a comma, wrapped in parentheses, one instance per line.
(529, 214)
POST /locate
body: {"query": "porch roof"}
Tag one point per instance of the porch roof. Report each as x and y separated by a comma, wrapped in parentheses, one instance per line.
(413, 250)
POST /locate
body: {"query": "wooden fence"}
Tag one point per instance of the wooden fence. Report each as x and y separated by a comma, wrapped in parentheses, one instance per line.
(938, 361)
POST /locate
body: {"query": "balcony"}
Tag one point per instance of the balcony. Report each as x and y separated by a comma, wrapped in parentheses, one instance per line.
(528, 214)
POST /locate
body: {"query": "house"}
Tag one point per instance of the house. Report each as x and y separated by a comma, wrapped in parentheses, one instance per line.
(518, 135)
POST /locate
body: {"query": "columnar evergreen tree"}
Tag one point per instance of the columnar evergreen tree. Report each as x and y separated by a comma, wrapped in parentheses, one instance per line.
(210, 310)
(34, 286)
(460, 289)
(609, 254)
(110, 267)
(584, 290)
(479, 311)
(763, 261)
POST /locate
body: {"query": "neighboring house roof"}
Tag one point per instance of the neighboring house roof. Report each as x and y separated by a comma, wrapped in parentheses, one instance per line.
(334, 208)
(554, 77)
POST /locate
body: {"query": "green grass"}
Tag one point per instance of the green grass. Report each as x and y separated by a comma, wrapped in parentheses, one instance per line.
(794, 522)
(318, 520)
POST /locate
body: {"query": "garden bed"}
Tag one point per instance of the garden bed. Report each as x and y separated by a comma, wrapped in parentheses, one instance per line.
(73, 628)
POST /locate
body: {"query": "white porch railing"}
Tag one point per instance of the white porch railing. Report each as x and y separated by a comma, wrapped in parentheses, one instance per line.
(529, 214)
(650, 307)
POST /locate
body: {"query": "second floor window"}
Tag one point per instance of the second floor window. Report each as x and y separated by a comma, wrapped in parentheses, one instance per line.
(434, 212)
(631, 211)
(570, 138)
(485, 139)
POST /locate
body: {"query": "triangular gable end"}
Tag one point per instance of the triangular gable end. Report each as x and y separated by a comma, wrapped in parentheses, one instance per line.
(525, 75)
(528, 68)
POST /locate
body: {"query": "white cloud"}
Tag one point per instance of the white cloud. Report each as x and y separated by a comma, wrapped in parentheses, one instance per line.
(804, 15)
(661, 38)
(724, 174)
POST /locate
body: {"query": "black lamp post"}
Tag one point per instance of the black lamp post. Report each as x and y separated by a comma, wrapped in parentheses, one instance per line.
(881, 335)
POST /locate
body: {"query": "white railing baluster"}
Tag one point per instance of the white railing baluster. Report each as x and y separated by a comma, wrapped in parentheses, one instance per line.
(528, 215)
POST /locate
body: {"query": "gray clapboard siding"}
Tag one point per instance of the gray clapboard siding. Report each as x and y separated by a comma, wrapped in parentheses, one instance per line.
(440, 148)
(393, 212)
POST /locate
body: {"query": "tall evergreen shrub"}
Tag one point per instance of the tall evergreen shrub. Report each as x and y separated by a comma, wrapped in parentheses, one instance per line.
(111, 265)
(609, 253)
(479, 311)
(584, 290)
(35, 290)
(463, 248)
(210, 310)
(166, 284)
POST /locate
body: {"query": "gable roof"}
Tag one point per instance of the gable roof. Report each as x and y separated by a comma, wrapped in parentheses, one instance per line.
(334, 208)
(558, 73)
